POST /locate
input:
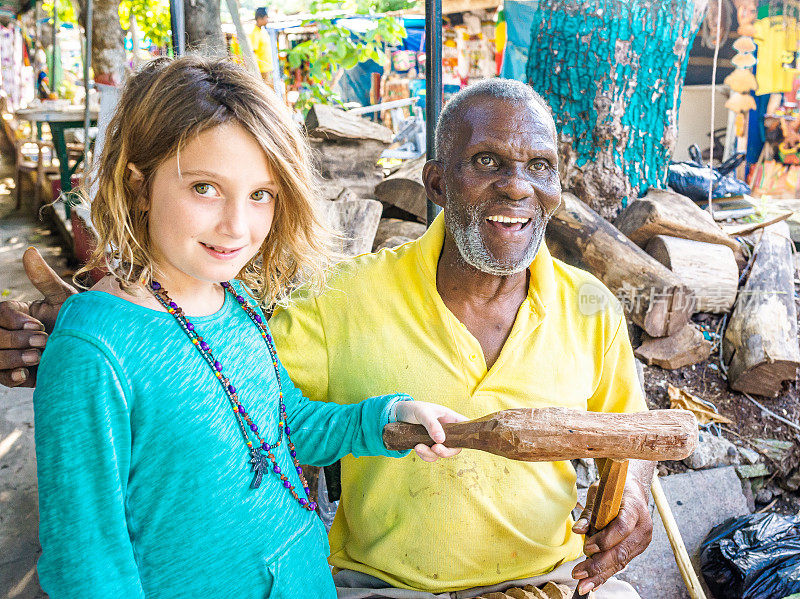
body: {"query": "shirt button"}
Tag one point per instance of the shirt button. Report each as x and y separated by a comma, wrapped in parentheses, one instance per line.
(473, 357)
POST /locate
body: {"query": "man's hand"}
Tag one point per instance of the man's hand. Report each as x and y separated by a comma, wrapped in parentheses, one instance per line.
(625, 537)
(24, 326)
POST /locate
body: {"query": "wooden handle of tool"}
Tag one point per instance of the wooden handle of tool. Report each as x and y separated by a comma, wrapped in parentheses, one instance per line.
(554, 434)
(607, 499)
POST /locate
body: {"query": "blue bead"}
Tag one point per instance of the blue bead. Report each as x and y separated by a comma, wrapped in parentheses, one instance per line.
(293, 453)
(299, 470)
(307, 490)
(303, 502)
(231, 389)
(265, 446)
(288, 430)
(276, 469)
(253, 427)
(155, 286)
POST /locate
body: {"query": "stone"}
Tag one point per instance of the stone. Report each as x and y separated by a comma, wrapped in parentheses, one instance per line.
(752, 471)
(712, 452)
(749, 456)
(699, 500)
(586, 472)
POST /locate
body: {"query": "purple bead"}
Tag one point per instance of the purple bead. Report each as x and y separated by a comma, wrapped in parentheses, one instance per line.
(293, 453)
(240, 299)
(288, 430)
(276, 469)
(173, 305)
(306, 489)
(303, 502)
(231, 389)
(312, 506)
(241, 409)
(204, 346)
(218, 366)
(253, 427)
(155, 286)
(189, 325)
(287, 484)
(225, 284)
(265, 446)
(299, 470)
(258, 318)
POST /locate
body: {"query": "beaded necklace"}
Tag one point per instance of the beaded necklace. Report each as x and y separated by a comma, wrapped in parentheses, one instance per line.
(258, 459)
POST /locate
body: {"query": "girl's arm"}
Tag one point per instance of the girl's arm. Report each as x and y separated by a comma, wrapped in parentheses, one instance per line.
(83, 448)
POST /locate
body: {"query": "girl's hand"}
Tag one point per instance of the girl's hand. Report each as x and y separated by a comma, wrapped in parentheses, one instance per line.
(431, 416)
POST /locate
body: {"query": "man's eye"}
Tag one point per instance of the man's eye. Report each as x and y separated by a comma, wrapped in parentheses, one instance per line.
(262, 196)
(540, 165)
(486, 160)
(205, 189)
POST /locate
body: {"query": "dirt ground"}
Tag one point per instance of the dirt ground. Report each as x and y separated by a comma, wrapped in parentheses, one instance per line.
(706, 381)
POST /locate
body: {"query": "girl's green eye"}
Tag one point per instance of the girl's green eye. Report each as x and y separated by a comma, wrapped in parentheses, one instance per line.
(262, 196)
(203, 188)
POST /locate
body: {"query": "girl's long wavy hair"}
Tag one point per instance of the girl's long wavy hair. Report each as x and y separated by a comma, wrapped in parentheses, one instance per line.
(163, 105)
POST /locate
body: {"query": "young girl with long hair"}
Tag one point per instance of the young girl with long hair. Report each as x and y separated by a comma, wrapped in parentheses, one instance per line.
(169, 437)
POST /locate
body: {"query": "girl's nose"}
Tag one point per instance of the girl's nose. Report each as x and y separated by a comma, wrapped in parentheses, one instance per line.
(234, 219)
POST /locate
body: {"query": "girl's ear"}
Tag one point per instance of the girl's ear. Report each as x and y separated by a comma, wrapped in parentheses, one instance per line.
(136, 180)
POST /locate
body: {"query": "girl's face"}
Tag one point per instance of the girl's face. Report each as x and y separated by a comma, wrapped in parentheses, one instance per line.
(211, 208)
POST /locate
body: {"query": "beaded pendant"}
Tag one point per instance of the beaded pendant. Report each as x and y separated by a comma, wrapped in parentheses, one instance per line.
(262, 458)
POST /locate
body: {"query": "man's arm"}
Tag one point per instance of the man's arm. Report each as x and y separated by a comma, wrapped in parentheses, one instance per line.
(24, 326)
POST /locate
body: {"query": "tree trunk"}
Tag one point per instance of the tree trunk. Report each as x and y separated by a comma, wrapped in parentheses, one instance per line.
(108, 53)
(204, 27)
(612, 71)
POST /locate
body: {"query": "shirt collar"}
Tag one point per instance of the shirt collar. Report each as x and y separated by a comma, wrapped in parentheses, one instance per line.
(541, 289)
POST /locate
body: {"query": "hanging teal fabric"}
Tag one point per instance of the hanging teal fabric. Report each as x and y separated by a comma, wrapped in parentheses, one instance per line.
(612, 71)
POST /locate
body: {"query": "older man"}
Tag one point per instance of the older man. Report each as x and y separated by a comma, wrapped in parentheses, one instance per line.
(477, 316)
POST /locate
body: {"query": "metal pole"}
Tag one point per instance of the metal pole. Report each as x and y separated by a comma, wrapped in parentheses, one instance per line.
(433, 82)
(177, 23)
(87, 114)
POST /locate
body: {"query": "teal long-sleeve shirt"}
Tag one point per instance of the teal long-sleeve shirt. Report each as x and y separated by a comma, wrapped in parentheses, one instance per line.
(144, 479)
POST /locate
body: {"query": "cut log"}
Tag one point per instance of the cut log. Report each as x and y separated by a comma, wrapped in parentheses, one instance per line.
(347, 164)
(652, 296)
(356, 220)
(760, 344)
(327, 122)
(708, 269)
(395, 228)
(686, 347)
(404, 189)
(663, 212)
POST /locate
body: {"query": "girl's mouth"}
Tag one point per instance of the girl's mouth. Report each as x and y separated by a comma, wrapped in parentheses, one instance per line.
(221, 253)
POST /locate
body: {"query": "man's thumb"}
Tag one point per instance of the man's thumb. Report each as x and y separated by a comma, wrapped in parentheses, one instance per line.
(44, 278)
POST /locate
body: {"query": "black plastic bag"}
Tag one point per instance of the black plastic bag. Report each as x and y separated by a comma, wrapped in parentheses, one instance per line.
(753, 557)
(692, 178)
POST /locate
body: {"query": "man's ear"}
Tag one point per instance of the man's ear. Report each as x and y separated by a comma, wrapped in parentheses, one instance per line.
(433, 179)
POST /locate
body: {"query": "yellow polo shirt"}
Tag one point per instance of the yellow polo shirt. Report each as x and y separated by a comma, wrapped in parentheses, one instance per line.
(261, 48)
(476, 519)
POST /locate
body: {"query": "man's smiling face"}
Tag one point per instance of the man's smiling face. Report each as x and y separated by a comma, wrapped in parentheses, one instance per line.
(500, 183)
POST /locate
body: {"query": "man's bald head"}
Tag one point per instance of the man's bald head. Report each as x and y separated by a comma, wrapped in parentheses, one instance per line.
(491, 89)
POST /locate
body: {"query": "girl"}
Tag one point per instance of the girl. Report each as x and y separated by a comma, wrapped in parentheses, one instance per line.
(169, 437)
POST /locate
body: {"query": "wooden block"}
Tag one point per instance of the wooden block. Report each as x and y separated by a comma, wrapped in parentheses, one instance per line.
(327, 122)
(760, 344)
(404, 189)
(356, 220)
(662, 212)
(708, 269)
(687, 346)
(400, 231)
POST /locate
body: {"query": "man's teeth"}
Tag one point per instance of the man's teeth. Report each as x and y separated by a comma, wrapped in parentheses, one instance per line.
(507, 219)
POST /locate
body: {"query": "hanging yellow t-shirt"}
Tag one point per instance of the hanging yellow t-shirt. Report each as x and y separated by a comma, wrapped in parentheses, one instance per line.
(776, 38)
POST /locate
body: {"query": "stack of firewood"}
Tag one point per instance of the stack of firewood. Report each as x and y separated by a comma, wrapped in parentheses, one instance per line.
(664, 258)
